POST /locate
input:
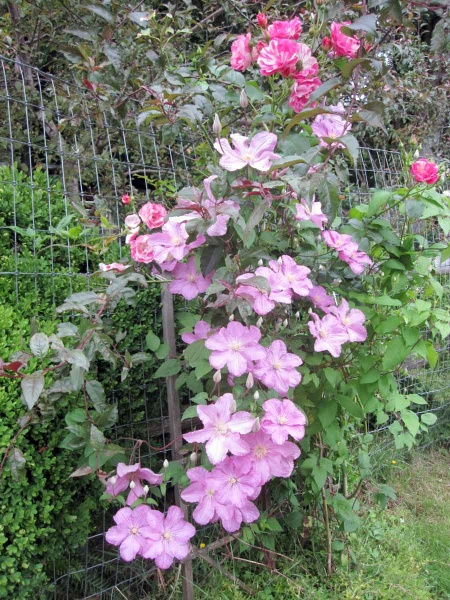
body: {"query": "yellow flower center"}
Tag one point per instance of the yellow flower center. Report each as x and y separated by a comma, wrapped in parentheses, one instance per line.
(260, 451)
(134, 531)
(282, 420)
(167, 535)
(233, 480)
(221, 428)
(276, 366)
(235, 346)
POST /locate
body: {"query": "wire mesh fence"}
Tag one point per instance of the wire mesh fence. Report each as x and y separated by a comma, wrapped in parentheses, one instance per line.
(63, 160)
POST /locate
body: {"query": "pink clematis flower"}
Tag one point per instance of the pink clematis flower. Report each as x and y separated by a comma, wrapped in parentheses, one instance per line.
(269, 459)
(234, 482)
(202, 492)
(280, 290)
(338, 241)
(241, 53)
(329, 334)
(131, 473)
(283, 419)
(187, 281)
(356, 259)
(235, 346)
(222, 429)
(425, 171)
(313, 213)
(201, 330)
(113, 266)
(257, 152)
(128, 531)
(168, 537)
(280, 56)
(330, 126)
(232, 517)
(153, 215)
(320, 298)
(259, 299)
(343, 45)
(296, 275)
(288, 30)
(277, 370)
(352, 320)
(301, 91)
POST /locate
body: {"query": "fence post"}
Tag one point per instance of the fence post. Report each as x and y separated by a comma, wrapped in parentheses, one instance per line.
(173, 405)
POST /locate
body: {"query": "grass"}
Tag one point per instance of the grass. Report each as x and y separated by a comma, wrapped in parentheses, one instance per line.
(402, 553)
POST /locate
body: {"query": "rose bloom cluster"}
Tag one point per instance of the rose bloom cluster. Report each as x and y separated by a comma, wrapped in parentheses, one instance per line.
(280, 53)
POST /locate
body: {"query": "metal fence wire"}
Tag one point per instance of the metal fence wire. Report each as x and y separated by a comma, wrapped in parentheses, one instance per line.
(61, 155)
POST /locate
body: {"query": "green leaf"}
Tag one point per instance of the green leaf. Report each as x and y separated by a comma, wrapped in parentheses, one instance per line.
(388, 325)
(255, 218)
(96, 394)
(351, 406)
(78, 358)
(171, 367)
(152, 341)
(329, 85)
(96, 438)
(101, 11)
(428, 418)
(395, 353)
(352, 146)
(16, 463)
(189, 413)
(162, 351)
(196, 352)
(39, 345)
(327, 412)
(32, 387)
(365, 23)
(210, 258)
(378, 200)
(411, 421)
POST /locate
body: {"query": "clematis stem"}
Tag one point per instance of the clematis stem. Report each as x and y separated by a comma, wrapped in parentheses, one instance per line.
(328, 534)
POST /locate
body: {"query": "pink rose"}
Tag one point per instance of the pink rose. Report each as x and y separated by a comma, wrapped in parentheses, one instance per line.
(262, 20)
(241, 53)
(326, 43)
(301, 91)
(153, 215)
(113, 266)
(424, 171)
(285, 30)
(280, 56)
(132, 223)
(126, 199)
(343, 45)
(141, 248)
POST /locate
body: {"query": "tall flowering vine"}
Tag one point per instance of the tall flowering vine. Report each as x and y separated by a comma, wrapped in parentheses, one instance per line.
(211, 248)
(300, 318)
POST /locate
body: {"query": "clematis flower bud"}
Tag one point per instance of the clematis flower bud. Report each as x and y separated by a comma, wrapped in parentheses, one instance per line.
(256, 395)
(217, 125)
(132, 485)
(250, 381)
(260, 262)
(243, 100)
(285, 323)
(193, 458)
(165, 463)
(259, 322)
(297, 315)
(231, 318)
(112, 480)
(217, 377)
(146, 488)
